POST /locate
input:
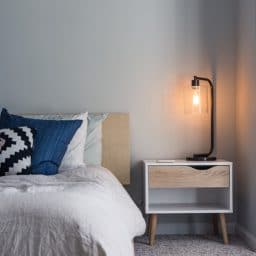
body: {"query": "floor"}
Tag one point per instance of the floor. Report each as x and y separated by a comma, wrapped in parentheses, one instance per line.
(191, 246)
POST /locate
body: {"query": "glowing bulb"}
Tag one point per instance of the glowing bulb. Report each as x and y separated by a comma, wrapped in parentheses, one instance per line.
(196, 98)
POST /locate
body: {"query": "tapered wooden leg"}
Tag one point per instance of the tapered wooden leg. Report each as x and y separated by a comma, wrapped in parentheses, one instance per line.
(215, 224)
(152, 228)
(223, 228)
(149, 226)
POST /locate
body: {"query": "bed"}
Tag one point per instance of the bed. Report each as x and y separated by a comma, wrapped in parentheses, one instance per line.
(85, 211)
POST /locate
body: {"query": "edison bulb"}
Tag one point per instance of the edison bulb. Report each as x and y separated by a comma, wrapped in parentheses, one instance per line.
(196, 98)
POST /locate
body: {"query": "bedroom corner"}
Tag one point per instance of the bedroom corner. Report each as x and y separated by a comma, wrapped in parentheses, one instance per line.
(94, 101)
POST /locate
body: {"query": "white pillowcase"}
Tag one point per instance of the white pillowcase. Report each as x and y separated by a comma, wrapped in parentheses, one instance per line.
(74, 156)
(93, 145)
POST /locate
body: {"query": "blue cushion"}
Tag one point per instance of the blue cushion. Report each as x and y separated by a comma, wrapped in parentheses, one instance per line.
(51, 140)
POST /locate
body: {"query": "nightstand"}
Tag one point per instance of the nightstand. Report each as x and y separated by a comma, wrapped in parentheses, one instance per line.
(179, 186)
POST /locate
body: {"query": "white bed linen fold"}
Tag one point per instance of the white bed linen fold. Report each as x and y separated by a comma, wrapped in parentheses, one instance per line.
(76, 213)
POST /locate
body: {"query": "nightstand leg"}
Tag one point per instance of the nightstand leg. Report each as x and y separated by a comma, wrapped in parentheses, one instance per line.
(152, 228)
(215, 224)
(149, 226)
(223, 228)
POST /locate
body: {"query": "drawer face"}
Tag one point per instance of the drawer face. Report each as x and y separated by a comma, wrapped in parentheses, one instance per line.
(188, 177)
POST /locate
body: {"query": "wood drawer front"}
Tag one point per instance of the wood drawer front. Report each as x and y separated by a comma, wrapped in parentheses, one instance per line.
(188, 177)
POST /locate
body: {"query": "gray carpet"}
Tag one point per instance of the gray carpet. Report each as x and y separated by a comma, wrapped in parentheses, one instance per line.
(191, 246)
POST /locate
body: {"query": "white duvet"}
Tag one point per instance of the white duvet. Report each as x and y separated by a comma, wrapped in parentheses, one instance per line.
(76, 213)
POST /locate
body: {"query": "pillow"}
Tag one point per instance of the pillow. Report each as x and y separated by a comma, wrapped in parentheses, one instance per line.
(74, 156)
(51, 140)
(15, 150)
(93, 145)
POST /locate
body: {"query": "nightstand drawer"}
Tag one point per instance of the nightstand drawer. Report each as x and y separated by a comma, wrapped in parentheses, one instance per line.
(188, 177)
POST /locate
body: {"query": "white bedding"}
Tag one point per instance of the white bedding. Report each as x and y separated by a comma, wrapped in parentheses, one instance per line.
(76, 213)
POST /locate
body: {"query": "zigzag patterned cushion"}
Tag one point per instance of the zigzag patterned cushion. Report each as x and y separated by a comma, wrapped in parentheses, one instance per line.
(16, 146)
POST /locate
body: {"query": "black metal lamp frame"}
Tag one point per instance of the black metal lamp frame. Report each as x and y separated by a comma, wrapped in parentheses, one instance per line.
(205, 156)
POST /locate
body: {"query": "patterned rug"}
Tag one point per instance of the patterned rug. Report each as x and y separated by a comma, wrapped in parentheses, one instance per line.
(191, 246)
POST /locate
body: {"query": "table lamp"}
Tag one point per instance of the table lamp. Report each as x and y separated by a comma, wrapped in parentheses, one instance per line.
(196, 104)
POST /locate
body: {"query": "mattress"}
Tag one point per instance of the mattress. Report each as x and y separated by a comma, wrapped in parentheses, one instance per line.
(85, 211)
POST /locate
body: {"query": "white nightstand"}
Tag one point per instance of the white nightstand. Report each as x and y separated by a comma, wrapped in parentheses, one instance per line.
(179, 186)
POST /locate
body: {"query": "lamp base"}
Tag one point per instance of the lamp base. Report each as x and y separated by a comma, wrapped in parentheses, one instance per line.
(201, 158)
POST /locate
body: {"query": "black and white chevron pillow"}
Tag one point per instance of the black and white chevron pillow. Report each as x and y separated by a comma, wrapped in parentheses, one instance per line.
(16, 146)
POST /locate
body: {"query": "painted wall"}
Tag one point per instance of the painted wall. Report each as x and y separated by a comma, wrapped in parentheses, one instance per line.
(126, 56)
(246, 119)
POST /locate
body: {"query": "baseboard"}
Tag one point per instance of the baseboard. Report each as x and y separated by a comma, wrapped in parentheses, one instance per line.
(196, 228)
(248, 237)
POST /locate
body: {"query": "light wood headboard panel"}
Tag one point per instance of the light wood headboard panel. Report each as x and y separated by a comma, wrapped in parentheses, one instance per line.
(116, 146)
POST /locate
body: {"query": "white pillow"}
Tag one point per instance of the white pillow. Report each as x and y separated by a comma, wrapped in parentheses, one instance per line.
(74, 156)
(93, 145)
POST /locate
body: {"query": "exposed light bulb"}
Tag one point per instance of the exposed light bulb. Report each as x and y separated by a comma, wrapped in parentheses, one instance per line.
(196, 98)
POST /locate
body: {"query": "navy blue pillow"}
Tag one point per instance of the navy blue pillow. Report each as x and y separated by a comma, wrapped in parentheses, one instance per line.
(51, 140)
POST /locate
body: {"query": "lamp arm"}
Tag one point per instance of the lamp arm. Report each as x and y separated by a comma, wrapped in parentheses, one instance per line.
(212, 115)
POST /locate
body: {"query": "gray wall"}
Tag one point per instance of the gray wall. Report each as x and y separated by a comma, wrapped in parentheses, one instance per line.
(131, 56)
(246, 118)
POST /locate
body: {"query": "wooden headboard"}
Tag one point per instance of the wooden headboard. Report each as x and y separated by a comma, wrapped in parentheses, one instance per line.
(116, 145)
